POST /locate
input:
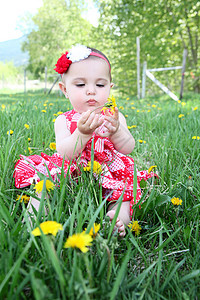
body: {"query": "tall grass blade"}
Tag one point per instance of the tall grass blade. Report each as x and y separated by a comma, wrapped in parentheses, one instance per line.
(120, 275)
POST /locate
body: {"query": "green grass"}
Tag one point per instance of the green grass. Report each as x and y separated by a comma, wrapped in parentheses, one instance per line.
(161, 263)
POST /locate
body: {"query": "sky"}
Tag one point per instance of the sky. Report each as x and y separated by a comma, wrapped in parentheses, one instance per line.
(12, 10)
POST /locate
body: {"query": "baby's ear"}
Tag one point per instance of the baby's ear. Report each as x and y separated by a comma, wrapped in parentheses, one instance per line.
(63, 88)
(112, 84)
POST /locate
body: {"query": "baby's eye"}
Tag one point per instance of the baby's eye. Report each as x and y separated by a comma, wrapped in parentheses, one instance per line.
(100, 85)
(80, 84)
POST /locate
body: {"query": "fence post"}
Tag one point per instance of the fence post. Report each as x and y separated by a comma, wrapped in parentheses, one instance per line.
(58, 77)
(45, 84)
(24, 81)
(183, 72)
(144, 79)
(138, 66)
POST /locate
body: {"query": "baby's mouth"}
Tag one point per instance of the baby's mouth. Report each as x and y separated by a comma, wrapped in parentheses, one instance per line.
(91, 102)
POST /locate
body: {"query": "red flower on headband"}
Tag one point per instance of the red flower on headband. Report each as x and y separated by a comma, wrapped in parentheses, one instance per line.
(63, 64)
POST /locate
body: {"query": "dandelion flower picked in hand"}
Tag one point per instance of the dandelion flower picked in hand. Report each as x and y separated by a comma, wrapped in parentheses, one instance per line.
(111, 103)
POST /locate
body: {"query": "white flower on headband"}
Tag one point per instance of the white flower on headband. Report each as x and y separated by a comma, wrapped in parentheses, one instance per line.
(78, 53)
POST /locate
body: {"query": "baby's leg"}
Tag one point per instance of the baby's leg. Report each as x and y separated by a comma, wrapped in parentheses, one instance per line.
(123, 216)
(36, 204)
(33, 203)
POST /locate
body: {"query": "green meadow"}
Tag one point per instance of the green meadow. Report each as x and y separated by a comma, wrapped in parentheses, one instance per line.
(161, 262)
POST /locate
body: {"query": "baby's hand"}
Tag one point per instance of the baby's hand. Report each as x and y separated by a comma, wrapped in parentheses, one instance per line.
(88, 122)
(111, 124)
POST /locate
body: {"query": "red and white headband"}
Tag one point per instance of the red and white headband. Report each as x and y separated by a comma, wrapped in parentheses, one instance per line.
(77, 53)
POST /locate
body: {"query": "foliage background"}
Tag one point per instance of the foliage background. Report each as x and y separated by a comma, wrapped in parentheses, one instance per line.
(165, 28)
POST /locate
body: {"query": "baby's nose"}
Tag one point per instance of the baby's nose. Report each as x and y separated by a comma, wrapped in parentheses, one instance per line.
(91, 90)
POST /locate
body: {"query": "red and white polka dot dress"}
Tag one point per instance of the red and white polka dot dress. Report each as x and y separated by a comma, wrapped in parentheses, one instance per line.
(117, 169)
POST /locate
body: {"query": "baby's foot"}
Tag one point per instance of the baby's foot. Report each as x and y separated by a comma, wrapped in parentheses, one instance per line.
(119, 224)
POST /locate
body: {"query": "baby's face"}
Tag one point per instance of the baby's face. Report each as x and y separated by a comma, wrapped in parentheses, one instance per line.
(88, 84)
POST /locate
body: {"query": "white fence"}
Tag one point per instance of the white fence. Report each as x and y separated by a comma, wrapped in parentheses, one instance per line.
(148, 73)
(23, 82)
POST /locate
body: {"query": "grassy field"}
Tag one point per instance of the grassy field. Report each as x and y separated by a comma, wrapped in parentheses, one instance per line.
(162, 262)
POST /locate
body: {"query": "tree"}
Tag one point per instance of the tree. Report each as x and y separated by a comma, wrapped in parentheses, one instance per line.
(165, 28)
(57, 25)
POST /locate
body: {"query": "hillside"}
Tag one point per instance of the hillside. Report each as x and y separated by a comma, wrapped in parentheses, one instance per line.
(11, 51)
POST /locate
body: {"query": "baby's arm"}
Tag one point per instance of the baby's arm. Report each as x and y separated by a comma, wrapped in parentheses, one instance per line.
(70, 145)
(118, 132)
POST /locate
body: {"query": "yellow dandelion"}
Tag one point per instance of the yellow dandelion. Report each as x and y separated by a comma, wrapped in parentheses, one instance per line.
(39, 186)
(183, 103)
(121, 107)
(179, 101)
(195, 108)
(134, 226)
(133, 107)
(181, 115)
(51, 104)
(55, 115)
(176, 201)
(3, 106)
(148, 110)
(52, 146)
(104, 109)
(151, 168)
(29, 150)
(53, 120)
(194, 137)
(44, 111)
(126, 116)
(80, 241)
(141, 141)
(23, 198)
(198, 137)
(94, 230)
(96, 167)
(10, 132)
(138, 110)
(132, 126)
(26, 126)
(29, 139)
(59, 113)
(45, 104)
(132, 103)
(111, 103)
(153, 105)
(48, 227)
